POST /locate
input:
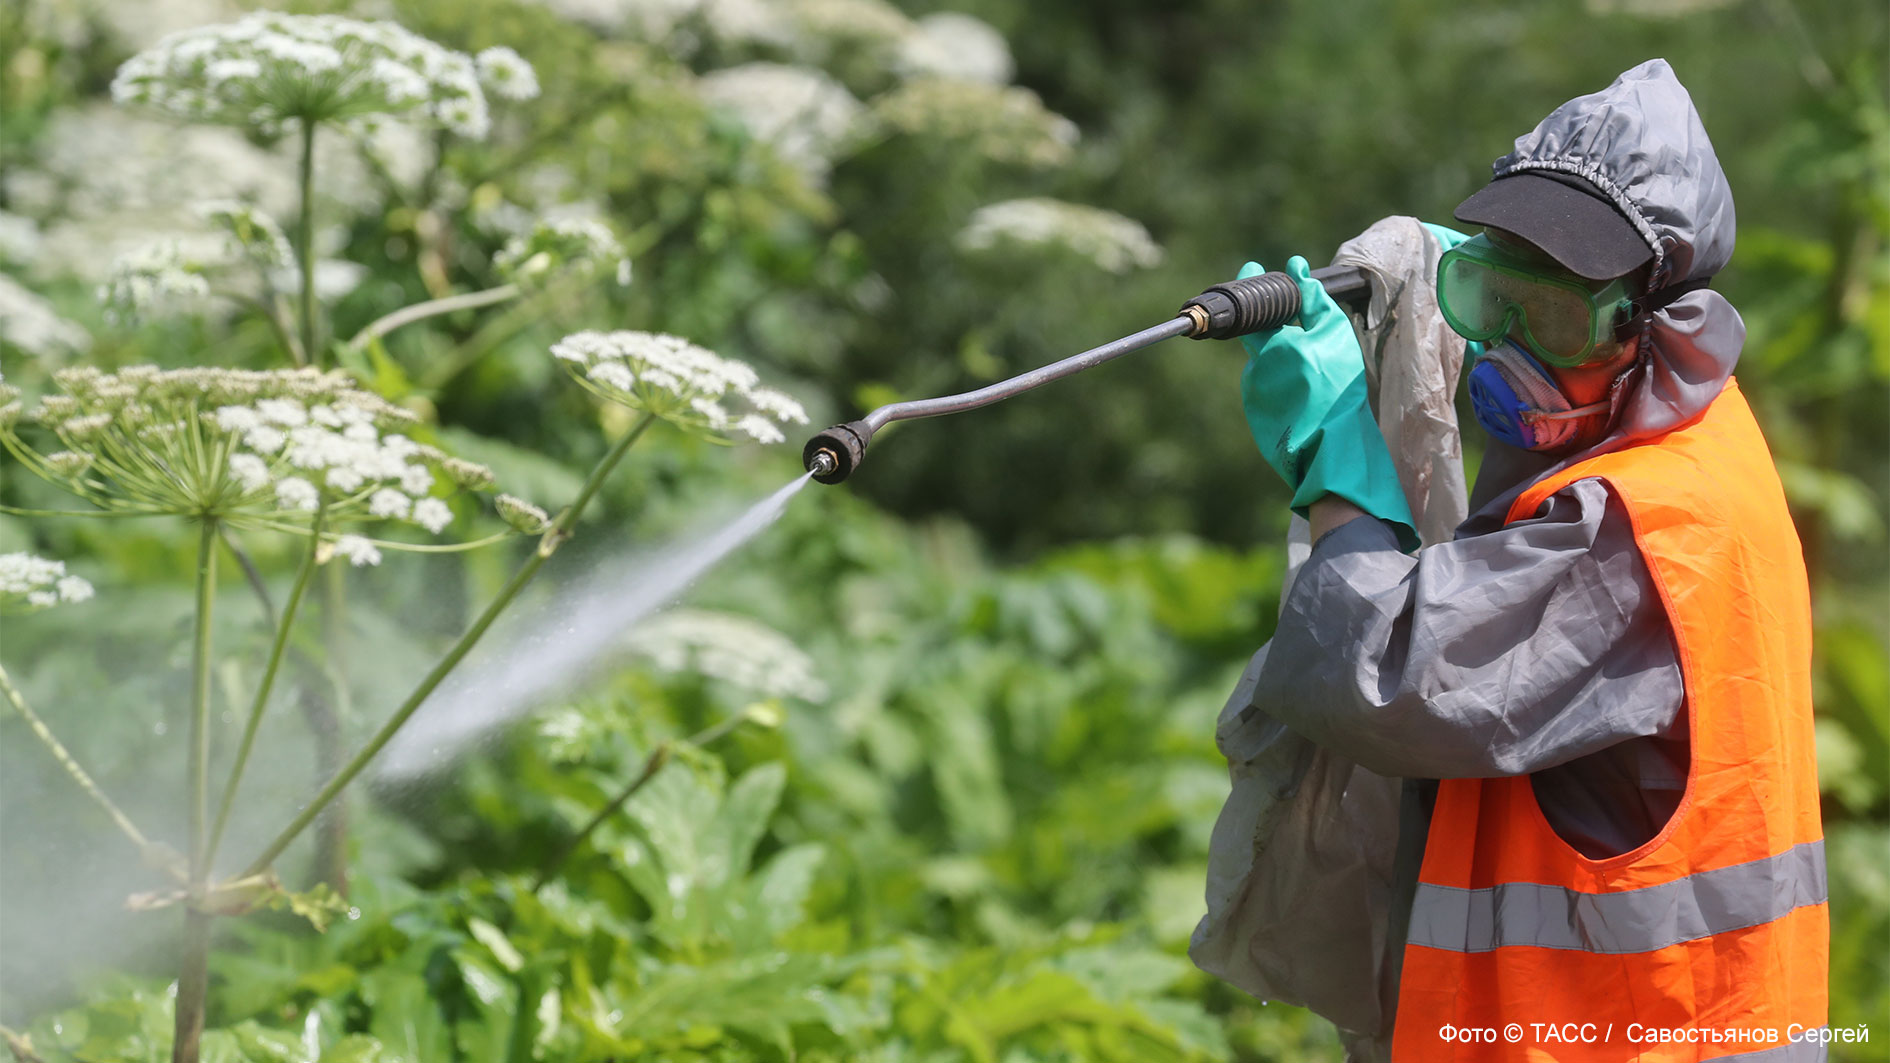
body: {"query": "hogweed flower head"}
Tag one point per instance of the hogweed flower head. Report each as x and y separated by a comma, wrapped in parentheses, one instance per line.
(174, 274)
(155, 278)
(948, 44)
(31, 323)
(506, 74)
(248, 448)
(805, 115)
(1110, 240)
(733, 649)
(686, 385)
(1004, 123)
(268, 69)
(822, 27)
(559, 247)
(38, 582)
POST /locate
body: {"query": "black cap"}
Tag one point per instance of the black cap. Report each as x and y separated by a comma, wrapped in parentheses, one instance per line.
(1566, 217)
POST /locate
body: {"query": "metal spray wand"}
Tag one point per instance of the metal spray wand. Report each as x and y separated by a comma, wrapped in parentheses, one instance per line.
(1224, 311)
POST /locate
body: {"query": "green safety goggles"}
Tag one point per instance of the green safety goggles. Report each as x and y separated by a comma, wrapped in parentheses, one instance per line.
(1487, 291)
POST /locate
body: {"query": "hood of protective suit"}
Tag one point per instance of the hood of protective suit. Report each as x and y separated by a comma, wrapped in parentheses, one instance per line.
(1641, 143)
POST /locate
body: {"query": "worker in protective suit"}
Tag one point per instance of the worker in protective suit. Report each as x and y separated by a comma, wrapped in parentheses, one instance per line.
(1596, 695)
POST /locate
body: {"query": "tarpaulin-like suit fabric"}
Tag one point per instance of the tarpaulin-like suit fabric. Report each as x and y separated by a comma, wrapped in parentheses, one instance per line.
(1531, 646)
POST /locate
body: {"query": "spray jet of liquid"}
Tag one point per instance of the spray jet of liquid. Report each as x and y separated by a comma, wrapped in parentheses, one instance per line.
(563, 642)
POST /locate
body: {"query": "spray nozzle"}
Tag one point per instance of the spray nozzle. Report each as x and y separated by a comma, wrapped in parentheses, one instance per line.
(833, 454)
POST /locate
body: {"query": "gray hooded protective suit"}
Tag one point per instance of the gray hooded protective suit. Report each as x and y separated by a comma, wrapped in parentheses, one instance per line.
(1538, 647)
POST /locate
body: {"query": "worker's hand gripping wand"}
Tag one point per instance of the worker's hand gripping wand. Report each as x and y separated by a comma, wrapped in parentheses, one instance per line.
(1225, 311)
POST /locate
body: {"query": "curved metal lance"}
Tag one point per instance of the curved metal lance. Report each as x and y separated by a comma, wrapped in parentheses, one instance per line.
(1224, 311)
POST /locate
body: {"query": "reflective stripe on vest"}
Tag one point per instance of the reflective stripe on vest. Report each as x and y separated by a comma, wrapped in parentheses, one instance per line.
(1808, 1050)
(1652, 917)
(1719, 925)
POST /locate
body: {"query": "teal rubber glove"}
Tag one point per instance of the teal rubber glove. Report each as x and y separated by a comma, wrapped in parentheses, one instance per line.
(1304, 393)
(1447, 239)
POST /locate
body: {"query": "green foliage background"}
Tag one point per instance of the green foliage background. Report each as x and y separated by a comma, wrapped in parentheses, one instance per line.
(989, 843)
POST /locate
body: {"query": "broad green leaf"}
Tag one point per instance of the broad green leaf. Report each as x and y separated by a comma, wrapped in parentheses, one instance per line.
(262, 1045)
(964, 767)
(1121, 974)
(494, 939)
(406, 1017)
(359, 1048)
(219, 1046)
(763, 995)
(740, 823)
(756, 911)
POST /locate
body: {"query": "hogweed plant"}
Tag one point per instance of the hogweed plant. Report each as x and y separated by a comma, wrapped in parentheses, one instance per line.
(306, 451)
(274, 74)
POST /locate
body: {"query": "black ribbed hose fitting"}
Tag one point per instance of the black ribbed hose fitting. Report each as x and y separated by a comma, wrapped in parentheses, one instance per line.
(1268, 300)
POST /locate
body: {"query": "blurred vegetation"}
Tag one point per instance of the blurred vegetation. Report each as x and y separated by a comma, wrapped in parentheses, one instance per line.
(987, 841)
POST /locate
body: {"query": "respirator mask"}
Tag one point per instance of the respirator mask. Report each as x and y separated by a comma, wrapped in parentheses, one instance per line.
(1533, 314)
(1517, 401)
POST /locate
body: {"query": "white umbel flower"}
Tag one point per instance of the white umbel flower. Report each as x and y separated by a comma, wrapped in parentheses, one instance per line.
(268, 69)
(156, 278)
(760, 429)
(506, 74)
(1004, 123)
(432, 514)
(560, 247)
(357, 550)
(73, 589)
(29, 322)
(38, 582)
(293, 492)
(389, 503)
(822, 28)
(249, 449)
(804, 115)
(947, 44)
(250, 470)
(730, 648)
(175, 273)
(1111, 241)
(678, 381)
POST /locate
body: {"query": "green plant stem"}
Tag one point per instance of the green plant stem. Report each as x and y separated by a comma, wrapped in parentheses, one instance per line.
(66, 761)
(19, 1045)
(559, 532)
(200, 702)
(254, 577)
(323, 714)
(261, 701)
(306, 233)
(651, 765)
(193, 988)
(193, 978)
(495, 331)
(269, 314)
(101, 514)
(431, 308)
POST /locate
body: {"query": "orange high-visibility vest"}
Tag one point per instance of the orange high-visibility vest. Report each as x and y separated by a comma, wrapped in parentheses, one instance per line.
(1711, 940)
